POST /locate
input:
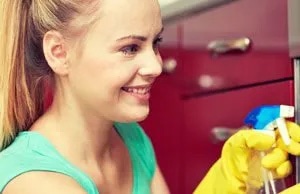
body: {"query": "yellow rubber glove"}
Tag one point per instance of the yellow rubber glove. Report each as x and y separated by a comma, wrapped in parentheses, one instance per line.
(230, 173)
(293, 148)
(277, 157)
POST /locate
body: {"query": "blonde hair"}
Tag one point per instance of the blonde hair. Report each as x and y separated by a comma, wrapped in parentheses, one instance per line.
(23, 68)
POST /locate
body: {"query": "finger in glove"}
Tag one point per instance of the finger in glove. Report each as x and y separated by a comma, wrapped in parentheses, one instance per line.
(294, 130)
(255, 140)
(284, 170)
(274, 159)
(292, 148)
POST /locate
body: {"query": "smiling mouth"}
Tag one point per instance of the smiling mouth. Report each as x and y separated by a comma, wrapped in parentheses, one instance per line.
(141, 90)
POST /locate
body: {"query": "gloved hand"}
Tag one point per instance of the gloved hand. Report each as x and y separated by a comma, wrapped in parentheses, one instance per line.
(230, 173)
(293, 148)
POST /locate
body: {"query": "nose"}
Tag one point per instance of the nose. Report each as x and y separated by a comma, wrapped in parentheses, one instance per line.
(151, 65)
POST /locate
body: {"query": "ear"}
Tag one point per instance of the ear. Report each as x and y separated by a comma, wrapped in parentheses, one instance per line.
(55, 51)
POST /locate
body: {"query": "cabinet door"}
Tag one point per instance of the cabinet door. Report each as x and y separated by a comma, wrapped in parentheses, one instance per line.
(227, 109)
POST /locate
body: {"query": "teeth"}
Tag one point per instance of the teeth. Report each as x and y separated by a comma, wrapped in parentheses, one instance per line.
(137, 90)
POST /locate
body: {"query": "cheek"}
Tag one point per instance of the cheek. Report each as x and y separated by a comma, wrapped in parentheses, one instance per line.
(90, 65)
(86, 78)
(103, 75)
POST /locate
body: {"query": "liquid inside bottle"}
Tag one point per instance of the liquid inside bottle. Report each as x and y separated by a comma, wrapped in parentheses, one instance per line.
(261, 180)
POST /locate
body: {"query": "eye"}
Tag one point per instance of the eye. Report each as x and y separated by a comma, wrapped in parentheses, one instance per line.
(157, 43)
(130, 49)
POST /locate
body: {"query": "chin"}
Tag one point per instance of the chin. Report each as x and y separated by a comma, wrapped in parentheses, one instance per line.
(141, 118)
(136, 115)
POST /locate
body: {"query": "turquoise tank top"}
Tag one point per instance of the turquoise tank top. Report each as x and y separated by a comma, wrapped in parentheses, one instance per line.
(33, 152)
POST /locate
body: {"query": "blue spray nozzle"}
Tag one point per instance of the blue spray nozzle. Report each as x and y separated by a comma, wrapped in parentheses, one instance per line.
(268, 117)
(261, 116)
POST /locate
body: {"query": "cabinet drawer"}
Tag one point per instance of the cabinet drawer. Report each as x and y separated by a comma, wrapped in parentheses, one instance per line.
(203, 73)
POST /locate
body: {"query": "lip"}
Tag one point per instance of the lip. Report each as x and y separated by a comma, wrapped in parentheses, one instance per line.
(139, 86)
(141, 97)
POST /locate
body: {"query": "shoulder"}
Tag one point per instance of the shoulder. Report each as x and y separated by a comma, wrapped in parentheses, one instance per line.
(23, 153)
(43, 182)
(17, 159)
(30, 157)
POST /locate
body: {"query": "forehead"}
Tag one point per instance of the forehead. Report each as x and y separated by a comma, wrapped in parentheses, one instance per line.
(120, 17)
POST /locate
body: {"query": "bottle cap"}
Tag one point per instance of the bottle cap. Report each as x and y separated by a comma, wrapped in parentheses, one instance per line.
(287, 111)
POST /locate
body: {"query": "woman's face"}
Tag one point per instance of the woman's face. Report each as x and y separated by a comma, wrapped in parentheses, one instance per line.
(112, 73)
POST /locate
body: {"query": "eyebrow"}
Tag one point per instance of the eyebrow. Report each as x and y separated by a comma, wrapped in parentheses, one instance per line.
(137, 37)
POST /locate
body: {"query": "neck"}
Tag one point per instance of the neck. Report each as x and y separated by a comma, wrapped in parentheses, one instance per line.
(79, 136)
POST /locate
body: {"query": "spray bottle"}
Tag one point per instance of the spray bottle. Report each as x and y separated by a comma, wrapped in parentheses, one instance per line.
(266, 119)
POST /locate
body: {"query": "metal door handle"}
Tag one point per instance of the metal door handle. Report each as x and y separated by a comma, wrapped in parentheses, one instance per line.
(225, 46)
(221, 134)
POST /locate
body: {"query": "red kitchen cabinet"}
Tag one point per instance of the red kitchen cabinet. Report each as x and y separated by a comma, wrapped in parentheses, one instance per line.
(207, 91)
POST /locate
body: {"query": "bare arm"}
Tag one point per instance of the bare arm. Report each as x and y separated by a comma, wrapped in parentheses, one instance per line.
(159, 185)
(43, 182)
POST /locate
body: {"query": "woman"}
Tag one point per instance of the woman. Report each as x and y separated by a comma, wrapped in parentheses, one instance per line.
(93, 52)
(101, 58)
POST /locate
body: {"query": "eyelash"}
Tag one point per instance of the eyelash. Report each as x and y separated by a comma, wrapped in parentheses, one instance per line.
(157, 43)
(133, 48)
(130, 49)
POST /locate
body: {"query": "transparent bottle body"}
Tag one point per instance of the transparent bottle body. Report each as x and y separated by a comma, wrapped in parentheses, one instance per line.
(261, 180)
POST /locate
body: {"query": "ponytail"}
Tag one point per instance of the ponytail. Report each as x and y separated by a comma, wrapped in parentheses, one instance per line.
(23, 67)
(21, 90)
